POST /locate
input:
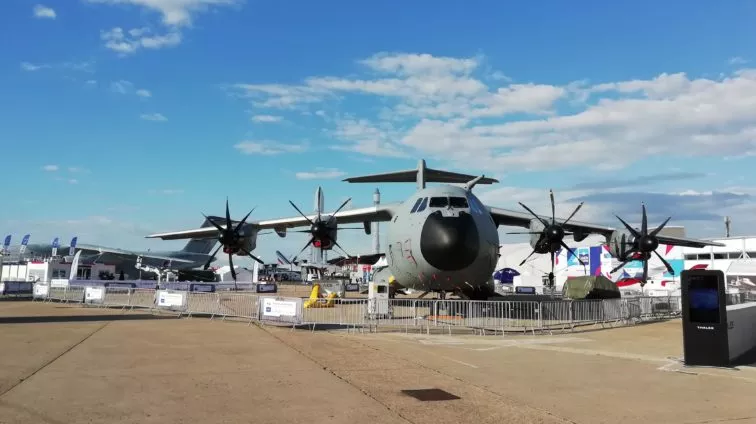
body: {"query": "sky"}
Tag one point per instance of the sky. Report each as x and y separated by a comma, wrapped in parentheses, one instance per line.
(122, 118)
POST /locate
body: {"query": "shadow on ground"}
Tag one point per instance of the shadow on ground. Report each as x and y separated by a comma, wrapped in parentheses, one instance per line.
(80, 318)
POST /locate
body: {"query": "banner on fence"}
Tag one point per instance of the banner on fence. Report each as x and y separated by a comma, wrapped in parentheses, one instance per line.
(204, 288)
(352, 287)
(41, 290)
(94, 294)
(16, 287)
(266, 288)
(281, 309)
(173, 300)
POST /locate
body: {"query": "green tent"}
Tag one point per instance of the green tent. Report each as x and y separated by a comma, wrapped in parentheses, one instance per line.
(590, 287)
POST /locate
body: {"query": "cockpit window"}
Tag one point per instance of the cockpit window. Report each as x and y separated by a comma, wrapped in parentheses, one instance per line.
(439, 202)
(423, 205)
(443, 202)
(414, 207)
(458, 202)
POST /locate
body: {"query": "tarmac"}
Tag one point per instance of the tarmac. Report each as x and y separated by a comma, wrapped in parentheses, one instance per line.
(71, 364)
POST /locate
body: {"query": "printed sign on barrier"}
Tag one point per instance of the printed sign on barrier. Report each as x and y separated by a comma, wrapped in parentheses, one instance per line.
(2, 288)
(41, 290)
(94, 294)
(173, 300)
(59, 283)
(281, 309)
(266, 288)
(352, 287)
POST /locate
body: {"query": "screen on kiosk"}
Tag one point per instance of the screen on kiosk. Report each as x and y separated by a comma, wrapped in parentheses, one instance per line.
(703, 300)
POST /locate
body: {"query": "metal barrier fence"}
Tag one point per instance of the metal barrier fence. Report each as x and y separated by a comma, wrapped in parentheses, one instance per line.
(392, 314)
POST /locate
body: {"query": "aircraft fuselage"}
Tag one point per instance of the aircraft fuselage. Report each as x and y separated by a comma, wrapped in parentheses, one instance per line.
(443, 239)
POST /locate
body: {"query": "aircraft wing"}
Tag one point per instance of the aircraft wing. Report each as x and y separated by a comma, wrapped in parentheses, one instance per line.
(522, 219)
(121, 252)
(370, 214)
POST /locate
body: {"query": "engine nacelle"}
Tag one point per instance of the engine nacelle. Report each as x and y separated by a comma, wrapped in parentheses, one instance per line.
(247, 240)
(537, 241)
(615, 241)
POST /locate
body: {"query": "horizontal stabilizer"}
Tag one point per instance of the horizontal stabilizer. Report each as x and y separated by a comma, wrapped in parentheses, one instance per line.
(421, 176)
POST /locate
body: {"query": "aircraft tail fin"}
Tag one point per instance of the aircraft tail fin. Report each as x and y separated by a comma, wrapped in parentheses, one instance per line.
(282, 259)
(201, 245)
(421, 175)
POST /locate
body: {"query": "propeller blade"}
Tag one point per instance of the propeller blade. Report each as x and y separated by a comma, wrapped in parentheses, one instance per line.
(573, 213)
(253, 256)
(572, 252)
(528, 257)
(231, 264)
(630, 229)
(644, 221)
(666, 264)
(553, 209)
(351, 228)
(218, 227)
(660, 227)
(552, 261)
(303, 249)
(544, 222)
(337, 210)
(210, 259)
(228, 216)
(300, 212)
(239, 225)
(618, 267)
(645, 273)
(525, 232)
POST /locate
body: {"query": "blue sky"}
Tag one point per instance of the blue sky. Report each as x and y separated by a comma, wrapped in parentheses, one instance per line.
(124, 117)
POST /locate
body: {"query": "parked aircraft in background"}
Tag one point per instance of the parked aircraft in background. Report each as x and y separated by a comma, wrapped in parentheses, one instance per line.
(442, 238)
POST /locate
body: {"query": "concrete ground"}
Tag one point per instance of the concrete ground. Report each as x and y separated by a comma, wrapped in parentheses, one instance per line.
(70, 364)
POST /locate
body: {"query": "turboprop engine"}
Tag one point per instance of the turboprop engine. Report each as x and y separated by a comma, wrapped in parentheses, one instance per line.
(620, 243)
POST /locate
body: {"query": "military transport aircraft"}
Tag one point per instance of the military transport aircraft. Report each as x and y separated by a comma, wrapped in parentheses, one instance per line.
(442, 238)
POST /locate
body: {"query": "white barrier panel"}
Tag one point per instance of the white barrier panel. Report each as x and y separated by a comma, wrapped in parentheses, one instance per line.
(94, 294)
(41, 291)
(59, 283)
(2, 288)
(173, 300)
(281, 309)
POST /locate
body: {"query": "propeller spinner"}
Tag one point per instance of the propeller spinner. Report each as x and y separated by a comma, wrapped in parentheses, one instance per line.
(552, 235)
(231, 239)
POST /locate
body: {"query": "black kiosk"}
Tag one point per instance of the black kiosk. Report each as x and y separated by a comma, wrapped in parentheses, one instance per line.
(704, 316)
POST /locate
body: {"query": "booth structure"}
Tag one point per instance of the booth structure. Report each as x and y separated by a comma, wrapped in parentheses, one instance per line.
(714, 333)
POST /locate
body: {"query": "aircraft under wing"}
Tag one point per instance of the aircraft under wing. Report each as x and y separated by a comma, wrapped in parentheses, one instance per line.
(522, 219)
(121, 252)
(370, 214)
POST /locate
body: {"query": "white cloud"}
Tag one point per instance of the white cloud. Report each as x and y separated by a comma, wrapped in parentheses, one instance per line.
(87, 66)
(30, 67)
(268, 148)
(158, 117)
(73, 181)
(320, 174)
(267, 118)
(737, 60)
(430, 106)
(129, 42)
(50, 168)
(173, 12)
(127, 87)
(44, 12)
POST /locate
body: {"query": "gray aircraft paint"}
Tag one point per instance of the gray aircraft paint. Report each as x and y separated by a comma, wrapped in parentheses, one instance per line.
(403, 253)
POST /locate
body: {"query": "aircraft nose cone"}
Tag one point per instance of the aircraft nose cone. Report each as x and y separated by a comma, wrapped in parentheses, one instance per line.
(450, 243)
